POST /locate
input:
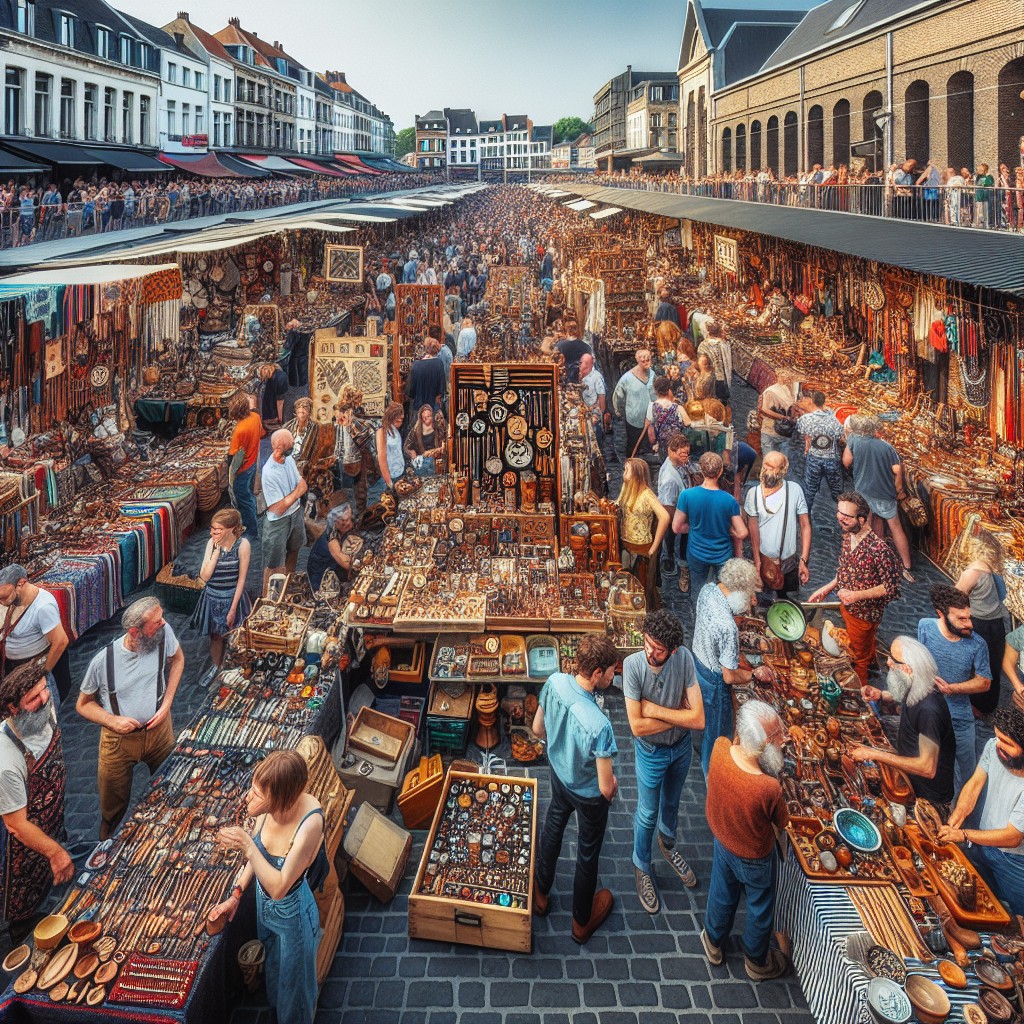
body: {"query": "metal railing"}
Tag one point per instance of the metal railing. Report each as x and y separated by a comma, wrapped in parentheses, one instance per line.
(48, 223)
(991, 208)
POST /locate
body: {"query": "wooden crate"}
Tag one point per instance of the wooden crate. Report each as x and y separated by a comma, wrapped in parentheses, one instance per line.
(258, 636)
(448, 919)
(378, 734)
(177, 593)
(421, 792)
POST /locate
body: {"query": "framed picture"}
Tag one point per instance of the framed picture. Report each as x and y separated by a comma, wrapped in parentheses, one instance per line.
(343, 263)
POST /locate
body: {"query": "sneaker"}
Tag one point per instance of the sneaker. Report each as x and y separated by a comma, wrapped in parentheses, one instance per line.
(599, 911)
(679, 866)
(684, 579)
(711, 951)
(541, 906)
(647, 891)
(776, 965)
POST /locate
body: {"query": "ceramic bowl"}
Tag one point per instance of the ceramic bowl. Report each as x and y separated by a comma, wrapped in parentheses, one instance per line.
(884, 963)
(85, 932)
(930, 1003)
(16, 959)
(857, 830)
(888, 1002)
(786, 620)
(50, 931)
(991, 973)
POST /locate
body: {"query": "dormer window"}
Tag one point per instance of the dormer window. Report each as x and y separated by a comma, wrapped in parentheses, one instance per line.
(845, 16)
(126, 49)
(104, 40)
(67, 30)
(27, 17)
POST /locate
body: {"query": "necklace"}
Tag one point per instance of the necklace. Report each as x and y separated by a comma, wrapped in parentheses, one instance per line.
(976, 386)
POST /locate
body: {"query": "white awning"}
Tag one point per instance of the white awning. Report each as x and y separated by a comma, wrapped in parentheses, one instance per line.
(103, 273)
(580, 204)
(608, 211)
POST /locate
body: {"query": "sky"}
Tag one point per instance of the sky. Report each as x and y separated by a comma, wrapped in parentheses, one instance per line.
(543, 58)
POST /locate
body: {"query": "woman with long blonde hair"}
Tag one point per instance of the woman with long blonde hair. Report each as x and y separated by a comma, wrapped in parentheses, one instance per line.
(982, 580)
(645, 521)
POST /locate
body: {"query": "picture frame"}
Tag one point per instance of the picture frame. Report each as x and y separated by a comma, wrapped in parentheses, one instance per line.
(343, 264)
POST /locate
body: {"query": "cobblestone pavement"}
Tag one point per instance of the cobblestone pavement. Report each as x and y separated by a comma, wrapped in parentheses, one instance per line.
(637, 969)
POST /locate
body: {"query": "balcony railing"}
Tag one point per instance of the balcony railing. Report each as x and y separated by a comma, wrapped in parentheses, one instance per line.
(992, 208)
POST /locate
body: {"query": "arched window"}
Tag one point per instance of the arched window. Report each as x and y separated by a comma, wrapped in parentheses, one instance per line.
(727, 149)
(815, 136)
(741, 147)
(1011, 112)
(772, 159)
(791, 143)
(960, 120)
(755, 145)
(871, 132)
(841, 133)
(915, 119)
(702, 133)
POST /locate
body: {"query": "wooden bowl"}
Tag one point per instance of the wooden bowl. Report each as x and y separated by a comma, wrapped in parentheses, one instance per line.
(17, 958)
(995, 1005)
(85, 933)
(952, 974)
(50, 931)
(930, 1003)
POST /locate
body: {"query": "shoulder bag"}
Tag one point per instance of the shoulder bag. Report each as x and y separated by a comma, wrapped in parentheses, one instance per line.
(772, 575)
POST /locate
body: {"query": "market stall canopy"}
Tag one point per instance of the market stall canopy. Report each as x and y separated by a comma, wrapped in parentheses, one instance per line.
(206, 165)
(273, 163)
(11, 163)
(131, 160)
(57, 152)
(356, 162)
(991, 259)
(318, 168)
(98, 273)
(243, 167)
(580, 204)
(608, 211)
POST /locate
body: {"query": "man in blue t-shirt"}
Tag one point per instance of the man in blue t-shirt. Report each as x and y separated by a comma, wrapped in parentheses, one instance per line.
(961, 656)
(580, 747)
(712, 518)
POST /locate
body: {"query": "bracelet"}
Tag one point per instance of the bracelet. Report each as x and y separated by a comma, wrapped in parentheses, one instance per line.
(237, 892)
(963, 832)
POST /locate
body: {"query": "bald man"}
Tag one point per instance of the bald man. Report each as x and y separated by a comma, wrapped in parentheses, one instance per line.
(284, 532)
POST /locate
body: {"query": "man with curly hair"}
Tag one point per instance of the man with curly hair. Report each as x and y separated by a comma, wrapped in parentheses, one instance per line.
(664, 706)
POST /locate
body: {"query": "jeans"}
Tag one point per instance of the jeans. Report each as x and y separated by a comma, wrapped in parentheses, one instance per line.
(731, 875)
(717, 711)
(1004, 873)
(966, 743)
(245, 501)
(814, 470)
(591, 821)
(660, 776)
(774, 443)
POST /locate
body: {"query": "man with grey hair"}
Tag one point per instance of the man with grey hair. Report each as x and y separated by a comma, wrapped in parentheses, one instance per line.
(128, 690)
(925, 741)
(284, 532)
(716, 647)
(745, 810)
(30, 625)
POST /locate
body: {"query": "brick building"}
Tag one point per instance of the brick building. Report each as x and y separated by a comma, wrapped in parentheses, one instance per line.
(938, 79)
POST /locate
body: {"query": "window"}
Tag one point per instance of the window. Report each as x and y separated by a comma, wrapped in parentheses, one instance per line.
(104, 41)
(109, 115)
(89, 127)
(228, 137)
(172, 118)
(199, 80)
(127, 116)
(172, 72)
(144, 138)
(227, 90)
(186, 119)
(126, 50)
(44, 84)
(27, 17)
(657, 93)
(186, 77)
(216, 127)
(199, 120)
(845, 16)
(67, 108)
(12, 101)
(216, 87)
(67, 30)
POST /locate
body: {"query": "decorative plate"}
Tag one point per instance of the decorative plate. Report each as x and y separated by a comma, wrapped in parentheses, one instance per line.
(857, 830)
(786, 621)
(455, 524)
(510, 397)
(498, 414)
(268, 266)
(478, 426)
(884, 963)
(462, 420)
(518, 454)
(510, 479)
(99, 376)
(517, 427)
(544, 438)
(888, 1002)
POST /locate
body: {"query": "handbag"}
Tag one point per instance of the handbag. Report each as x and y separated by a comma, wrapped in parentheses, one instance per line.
(913, 508)
(772, 575)
(785, 427)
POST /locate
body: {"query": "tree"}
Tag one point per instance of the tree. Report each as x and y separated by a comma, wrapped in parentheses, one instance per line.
(405, 142)
(568, 128)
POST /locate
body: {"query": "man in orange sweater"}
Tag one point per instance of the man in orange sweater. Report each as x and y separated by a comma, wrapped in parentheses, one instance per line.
(745, 808)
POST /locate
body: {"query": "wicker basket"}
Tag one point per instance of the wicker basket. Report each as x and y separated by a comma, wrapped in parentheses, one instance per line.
(177, 593)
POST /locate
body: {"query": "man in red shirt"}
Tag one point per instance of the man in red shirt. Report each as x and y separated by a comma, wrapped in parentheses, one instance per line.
(243, 454)
(745, 809)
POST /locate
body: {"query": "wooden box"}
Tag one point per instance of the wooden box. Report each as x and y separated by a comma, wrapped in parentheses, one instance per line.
(448, 720)
(372, 777)
(451, 919)
(421, 792)
(381, 735)
(378, 851)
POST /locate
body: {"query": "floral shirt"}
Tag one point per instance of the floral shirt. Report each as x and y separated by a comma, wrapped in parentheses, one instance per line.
(870, 564)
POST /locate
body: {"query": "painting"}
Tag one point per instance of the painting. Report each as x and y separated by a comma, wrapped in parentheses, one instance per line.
(343, 264)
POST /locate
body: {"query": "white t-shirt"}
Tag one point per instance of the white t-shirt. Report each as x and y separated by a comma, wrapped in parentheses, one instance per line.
(593, 386)
(279, 480)
(28, 637)
(769, 513)
(14, 770)
(135, 679)
(776, 398)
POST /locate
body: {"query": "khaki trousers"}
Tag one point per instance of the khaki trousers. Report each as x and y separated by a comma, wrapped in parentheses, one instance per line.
(118, 757)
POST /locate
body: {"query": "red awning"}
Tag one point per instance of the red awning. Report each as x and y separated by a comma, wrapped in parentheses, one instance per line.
(318, 168)
(355, 162)
(206, 165)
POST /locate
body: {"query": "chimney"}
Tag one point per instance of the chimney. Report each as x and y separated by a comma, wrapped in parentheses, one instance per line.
(182, 15)
(235, 22)
(277, 45)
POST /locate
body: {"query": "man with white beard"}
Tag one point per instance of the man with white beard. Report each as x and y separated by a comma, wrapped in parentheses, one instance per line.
(746, 810)
(925, 741)
(32, 778)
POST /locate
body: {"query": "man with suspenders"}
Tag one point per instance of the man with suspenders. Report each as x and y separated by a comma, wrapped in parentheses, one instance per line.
(128, 690)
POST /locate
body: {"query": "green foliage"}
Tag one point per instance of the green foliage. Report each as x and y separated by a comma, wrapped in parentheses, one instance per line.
(567, 128)
(405, 142)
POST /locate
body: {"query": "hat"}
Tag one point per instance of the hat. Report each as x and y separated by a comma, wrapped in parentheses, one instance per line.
(413, 254)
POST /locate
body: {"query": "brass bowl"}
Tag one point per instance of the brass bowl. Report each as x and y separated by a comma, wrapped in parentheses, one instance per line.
(50, 931)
